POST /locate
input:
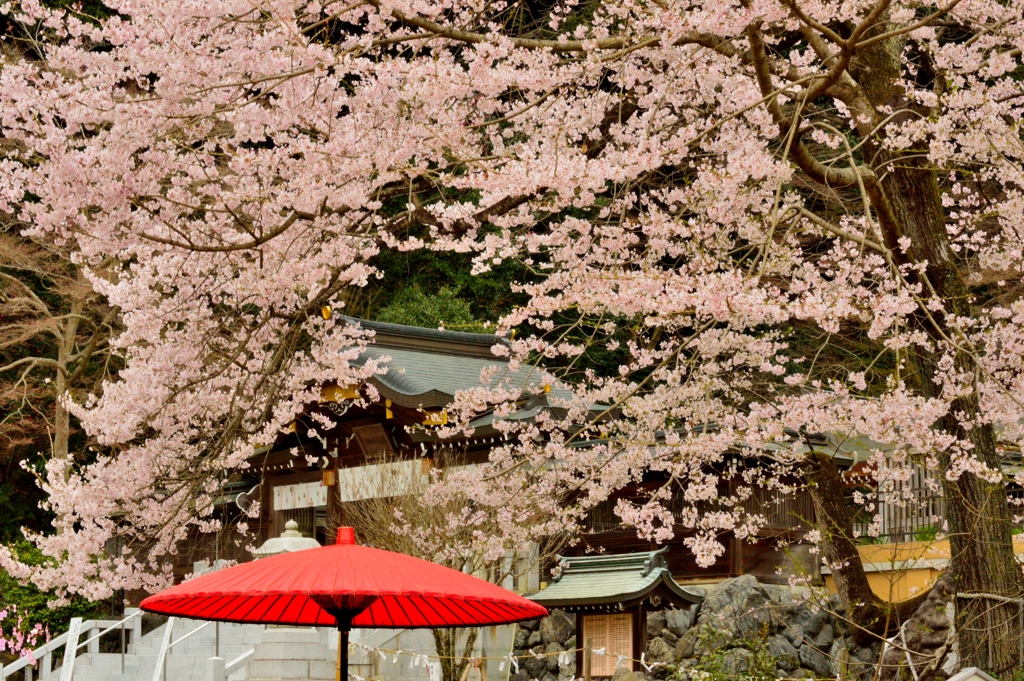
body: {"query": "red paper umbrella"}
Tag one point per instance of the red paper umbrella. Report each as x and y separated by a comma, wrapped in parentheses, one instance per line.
(345, 585)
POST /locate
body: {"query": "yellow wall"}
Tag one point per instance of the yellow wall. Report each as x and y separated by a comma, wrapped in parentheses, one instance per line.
(893, 578)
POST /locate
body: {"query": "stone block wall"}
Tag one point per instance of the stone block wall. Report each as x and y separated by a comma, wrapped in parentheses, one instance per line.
(740, 624)
(547, 637)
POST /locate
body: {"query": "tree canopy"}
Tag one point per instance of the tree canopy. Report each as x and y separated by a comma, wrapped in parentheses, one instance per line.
(724, 197)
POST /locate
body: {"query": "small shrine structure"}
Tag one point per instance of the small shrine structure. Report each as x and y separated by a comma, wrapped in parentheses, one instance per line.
(611, 596)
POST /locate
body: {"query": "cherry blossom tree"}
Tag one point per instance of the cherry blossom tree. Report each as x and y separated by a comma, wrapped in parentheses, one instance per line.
(16, 641)
(54, 332)
(405, 524)
(781, 217)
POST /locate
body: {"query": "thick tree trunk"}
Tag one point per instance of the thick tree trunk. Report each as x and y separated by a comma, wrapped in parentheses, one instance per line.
(61, 443)
(977, 512)
(908, 203)
(65, 352)
(870, 616)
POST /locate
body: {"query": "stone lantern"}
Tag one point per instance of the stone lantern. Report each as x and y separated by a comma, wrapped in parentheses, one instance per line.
(290, 540)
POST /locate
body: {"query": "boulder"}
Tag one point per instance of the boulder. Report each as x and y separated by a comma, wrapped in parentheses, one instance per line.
(686, 645)
(669, 636)
(864, 654)
(802, 674)
(551, 651)
(521, 640)
(835, 654)
(536, 667)
(925, 635)
(679, 621)
(656, 621)
(861, 668)
(534, 639)
(816, 661)
(739, 606)
(737, 662)
(786, 656)
(660, 651)
(557, 627)
(805, 624)
(825, 637)
(627, 674)
(530, 625)
(781, 596)
(683, 671)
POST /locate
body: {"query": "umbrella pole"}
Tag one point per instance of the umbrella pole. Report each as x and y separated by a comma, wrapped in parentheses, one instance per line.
(342, 672)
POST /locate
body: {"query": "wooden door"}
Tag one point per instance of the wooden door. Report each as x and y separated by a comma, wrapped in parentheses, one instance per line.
(613, 633)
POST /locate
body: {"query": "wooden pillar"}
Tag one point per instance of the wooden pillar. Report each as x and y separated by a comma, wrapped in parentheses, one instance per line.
(736, 559)
(267, 508)
(639, 634)
(582, 659)
(334, 519)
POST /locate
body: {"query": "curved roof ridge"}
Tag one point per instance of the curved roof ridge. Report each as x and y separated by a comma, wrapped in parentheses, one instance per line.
(400, 336)
(614, 581)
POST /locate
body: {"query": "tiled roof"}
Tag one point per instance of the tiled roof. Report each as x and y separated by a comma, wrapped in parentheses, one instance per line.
(426, 367)
(614, 579)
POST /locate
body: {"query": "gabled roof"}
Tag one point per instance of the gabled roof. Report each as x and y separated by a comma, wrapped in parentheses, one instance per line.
(433, 341)
(617, 581)
(428, 366)
(419, 379)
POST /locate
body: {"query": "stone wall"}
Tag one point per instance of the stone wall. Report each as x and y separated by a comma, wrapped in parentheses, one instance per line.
(742, 625)
(548, 637)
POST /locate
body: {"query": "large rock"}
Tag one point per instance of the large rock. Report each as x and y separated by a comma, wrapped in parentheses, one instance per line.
(551, 650)
(557, 627)
(738, 606)
(521, 640)
(686, 645)
(530, 625)
(816, 661)
(661, 652)
(536, 667)
(825, 637)
(924, 636)
(805, 624)
(836, 654)
(865, 654)
(861, 661)
(786, 656)
(737, 662)
(534, 639)
(627, 674)
(656, 621)
(679, 621)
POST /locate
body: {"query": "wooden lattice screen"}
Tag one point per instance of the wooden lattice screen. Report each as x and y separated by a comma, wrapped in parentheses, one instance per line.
(614, 633)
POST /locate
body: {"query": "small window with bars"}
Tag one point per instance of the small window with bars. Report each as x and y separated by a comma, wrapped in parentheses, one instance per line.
(614, 633)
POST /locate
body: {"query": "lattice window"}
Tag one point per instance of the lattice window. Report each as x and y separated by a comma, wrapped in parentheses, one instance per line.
(614, 633)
